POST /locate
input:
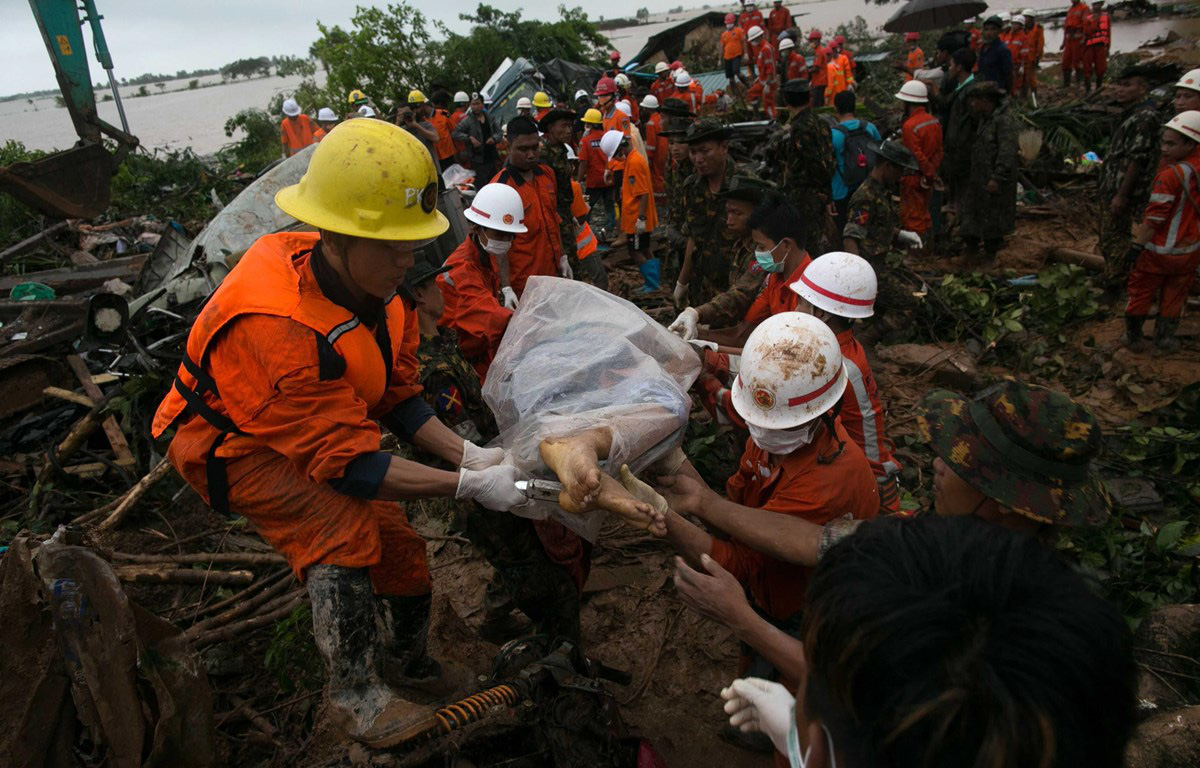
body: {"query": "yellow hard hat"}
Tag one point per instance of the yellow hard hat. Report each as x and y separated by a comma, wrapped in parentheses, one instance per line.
(540, 99)
(356, 96)
(416, 97)
(368, 178)
(592, 116)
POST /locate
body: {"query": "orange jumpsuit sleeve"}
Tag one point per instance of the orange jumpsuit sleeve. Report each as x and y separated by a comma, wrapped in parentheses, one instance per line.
(761, 308)
(479, 317)
(914, 143)
(319, 426)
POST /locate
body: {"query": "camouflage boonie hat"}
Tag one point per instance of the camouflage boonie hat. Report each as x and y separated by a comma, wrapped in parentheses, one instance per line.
(1027, 447)
(895, 152)
(748, 188)
(706, 129)
(675, 108)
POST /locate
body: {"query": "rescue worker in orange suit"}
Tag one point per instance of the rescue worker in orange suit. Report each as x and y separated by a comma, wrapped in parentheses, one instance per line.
(296, 130)
(793, 64)
(778, 20)
(1165, 249)
(663, 86)
(612, 119)
(839, 288)
(748, 19)
(922, 134)
(537, 251)
(799, 461)
(766, 61)
(593, 167)
(1035, 48)
(442, 123)
(914, 57)
(1016, 42)
(614, 64)
(734, 48)
(845, 58)
(1097, 39)
(818, 74)
(639, 217)
(286, 370)
(474, 299)
(656, 144)
(1072, 44)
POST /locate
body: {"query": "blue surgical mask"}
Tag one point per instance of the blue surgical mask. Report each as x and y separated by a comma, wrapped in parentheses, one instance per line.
(766, 260)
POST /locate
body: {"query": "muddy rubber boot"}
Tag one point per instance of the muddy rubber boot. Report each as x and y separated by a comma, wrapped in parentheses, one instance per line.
(1164, 334)
(1087, 86)
(406, 662)
(1066, 78)
(1134, 339)
(345, 627)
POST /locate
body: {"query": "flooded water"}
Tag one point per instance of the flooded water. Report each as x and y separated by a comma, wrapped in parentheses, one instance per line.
(180, 118)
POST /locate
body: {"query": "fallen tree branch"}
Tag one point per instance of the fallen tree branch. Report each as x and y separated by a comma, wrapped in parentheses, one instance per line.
(231, 631)
(66, 449)
(69, 396)
(245, 594)
(226, 558)
(1079, 258)
(256, 719)
(151, 574)
(116, 438)
(242, 608)
(134, 495)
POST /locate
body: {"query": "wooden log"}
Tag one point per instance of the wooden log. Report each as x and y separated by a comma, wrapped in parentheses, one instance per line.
(191, 558)
(158, 574)
(69, 396)
(134, 495)
(1079, 258)
(29, 243)
(116, 438)
(80, 277)
(244, 604)
(66, 449)
(231, 631)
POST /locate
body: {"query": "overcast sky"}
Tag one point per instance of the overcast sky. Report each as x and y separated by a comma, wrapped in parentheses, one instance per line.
(171, 35)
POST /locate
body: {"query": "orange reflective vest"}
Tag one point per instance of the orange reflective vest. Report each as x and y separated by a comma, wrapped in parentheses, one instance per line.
(779, 19)
(913, 61)
(308, 387)
(1097, 29)
(585, 241)
(444, 147)
(837, 78)
(794, 67)
(297, 132)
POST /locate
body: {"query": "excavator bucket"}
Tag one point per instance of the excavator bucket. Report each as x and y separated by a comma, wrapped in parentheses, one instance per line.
(73, 184)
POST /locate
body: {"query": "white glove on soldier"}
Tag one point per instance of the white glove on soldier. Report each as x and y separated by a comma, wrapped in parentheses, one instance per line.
(565, 267)
(686, 326)
(494, 487)
(754, 704)
(680, 293)
(911, 239)
(509, 298)
(475, 457)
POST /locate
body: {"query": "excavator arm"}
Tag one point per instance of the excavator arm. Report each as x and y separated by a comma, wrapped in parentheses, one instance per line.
(73, 183)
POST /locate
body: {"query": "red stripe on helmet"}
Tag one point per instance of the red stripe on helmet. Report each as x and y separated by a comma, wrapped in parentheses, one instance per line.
(835, 296)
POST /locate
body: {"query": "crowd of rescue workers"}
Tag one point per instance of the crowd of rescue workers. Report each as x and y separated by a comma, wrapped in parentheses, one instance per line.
(872, 635)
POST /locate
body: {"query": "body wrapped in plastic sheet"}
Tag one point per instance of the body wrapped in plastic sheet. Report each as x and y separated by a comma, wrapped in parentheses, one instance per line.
(575, 358)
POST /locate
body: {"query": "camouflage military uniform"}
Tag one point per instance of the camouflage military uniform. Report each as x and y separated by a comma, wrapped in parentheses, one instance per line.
(873, 219)
(746, 280)
(555, 156)
(703, 223)
(525, 577)
(799, 159)
(674, 177)
(1135, 140)
(1046, 474)
(989, 216)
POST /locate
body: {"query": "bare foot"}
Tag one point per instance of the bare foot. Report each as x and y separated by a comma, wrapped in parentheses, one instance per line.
(575, 460)
(615, 498)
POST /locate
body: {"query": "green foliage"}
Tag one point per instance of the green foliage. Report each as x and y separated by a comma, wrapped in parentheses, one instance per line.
(259, 65)
(169, 185)
(286, 66)
(142, 91)
(193, 85)
(714, 451)
(260, 144)
(292, 657)
(17, 222)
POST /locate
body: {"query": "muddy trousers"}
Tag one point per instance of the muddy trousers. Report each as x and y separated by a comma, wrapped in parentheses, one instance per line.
(1145, 286)
(526, 578)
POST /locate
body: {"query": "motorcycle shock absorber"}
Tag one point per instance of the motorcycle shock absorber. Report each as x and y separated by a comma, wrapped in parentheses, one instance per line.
(458, 714)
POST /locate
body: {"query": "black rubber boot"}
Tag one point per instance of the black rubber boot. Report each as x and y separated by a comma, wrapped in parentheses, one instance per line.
(345, 627)
(1133, 332)
(1066, 78)
(1164, 334)
(406, 662)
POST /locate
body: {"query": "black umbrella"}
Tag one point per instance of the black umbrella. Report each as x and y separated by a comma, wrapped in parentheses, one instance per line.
(923, 15)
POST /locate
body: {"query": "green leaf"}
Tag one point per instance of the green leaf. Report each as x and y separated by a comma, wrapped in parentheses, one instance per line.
(1170, 533)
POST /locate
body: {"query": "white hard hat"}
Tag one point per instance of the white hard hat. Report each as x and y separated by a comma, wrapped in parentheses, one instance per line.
(914, 92)
(609, 143)
(839, 282)
(524, 103)
(1186, 123)
(649, 101)
(498, 206)
(623, 106)
(1027, 13)
(786, 44)
(290, 107)
(622, 80)
(571, 152)
(661, 67)
(366, 111)
(754, 33)
(1004, 16)
(326, 115)
(582, 94)
(1190, 80)
(682, 79)
(791, 372)
(461, 97)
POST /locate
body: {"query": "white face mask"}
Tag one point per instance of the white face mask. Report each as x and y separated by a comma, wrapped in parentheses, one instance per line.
(781, 442)
(496, 247)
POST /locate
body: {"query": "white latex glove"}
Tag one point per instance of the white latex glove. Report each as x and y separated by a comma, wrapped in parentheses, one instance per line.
(494, 487)
(680, 293)
(565, 267)
(508, 297)
(911, 239)
(475, 457)
(754, 704)
(640, 227)
(686, 326)
(702, 344)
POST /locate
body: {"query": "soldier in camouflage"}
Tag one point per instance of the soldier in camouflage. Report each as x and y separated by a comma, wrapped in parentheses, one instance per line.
(677, 117)
(1130, 165)
(525, 576)
(1017, 455)
(799, 159)
(710, 244)
(871, 231)
(989, 201)
(556, 129)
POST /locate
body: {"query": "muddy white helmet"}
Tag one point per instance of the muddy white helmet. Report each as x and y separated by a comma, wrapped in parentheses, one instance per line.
(498, 206)
(914, 92)
(524, 103)
(839, 283)
(791, 372)
(1187, 124)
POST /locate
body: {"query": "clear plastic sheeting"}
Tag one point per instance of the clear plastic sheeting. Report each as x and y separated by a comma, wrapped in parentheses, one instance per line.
(575, 357)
